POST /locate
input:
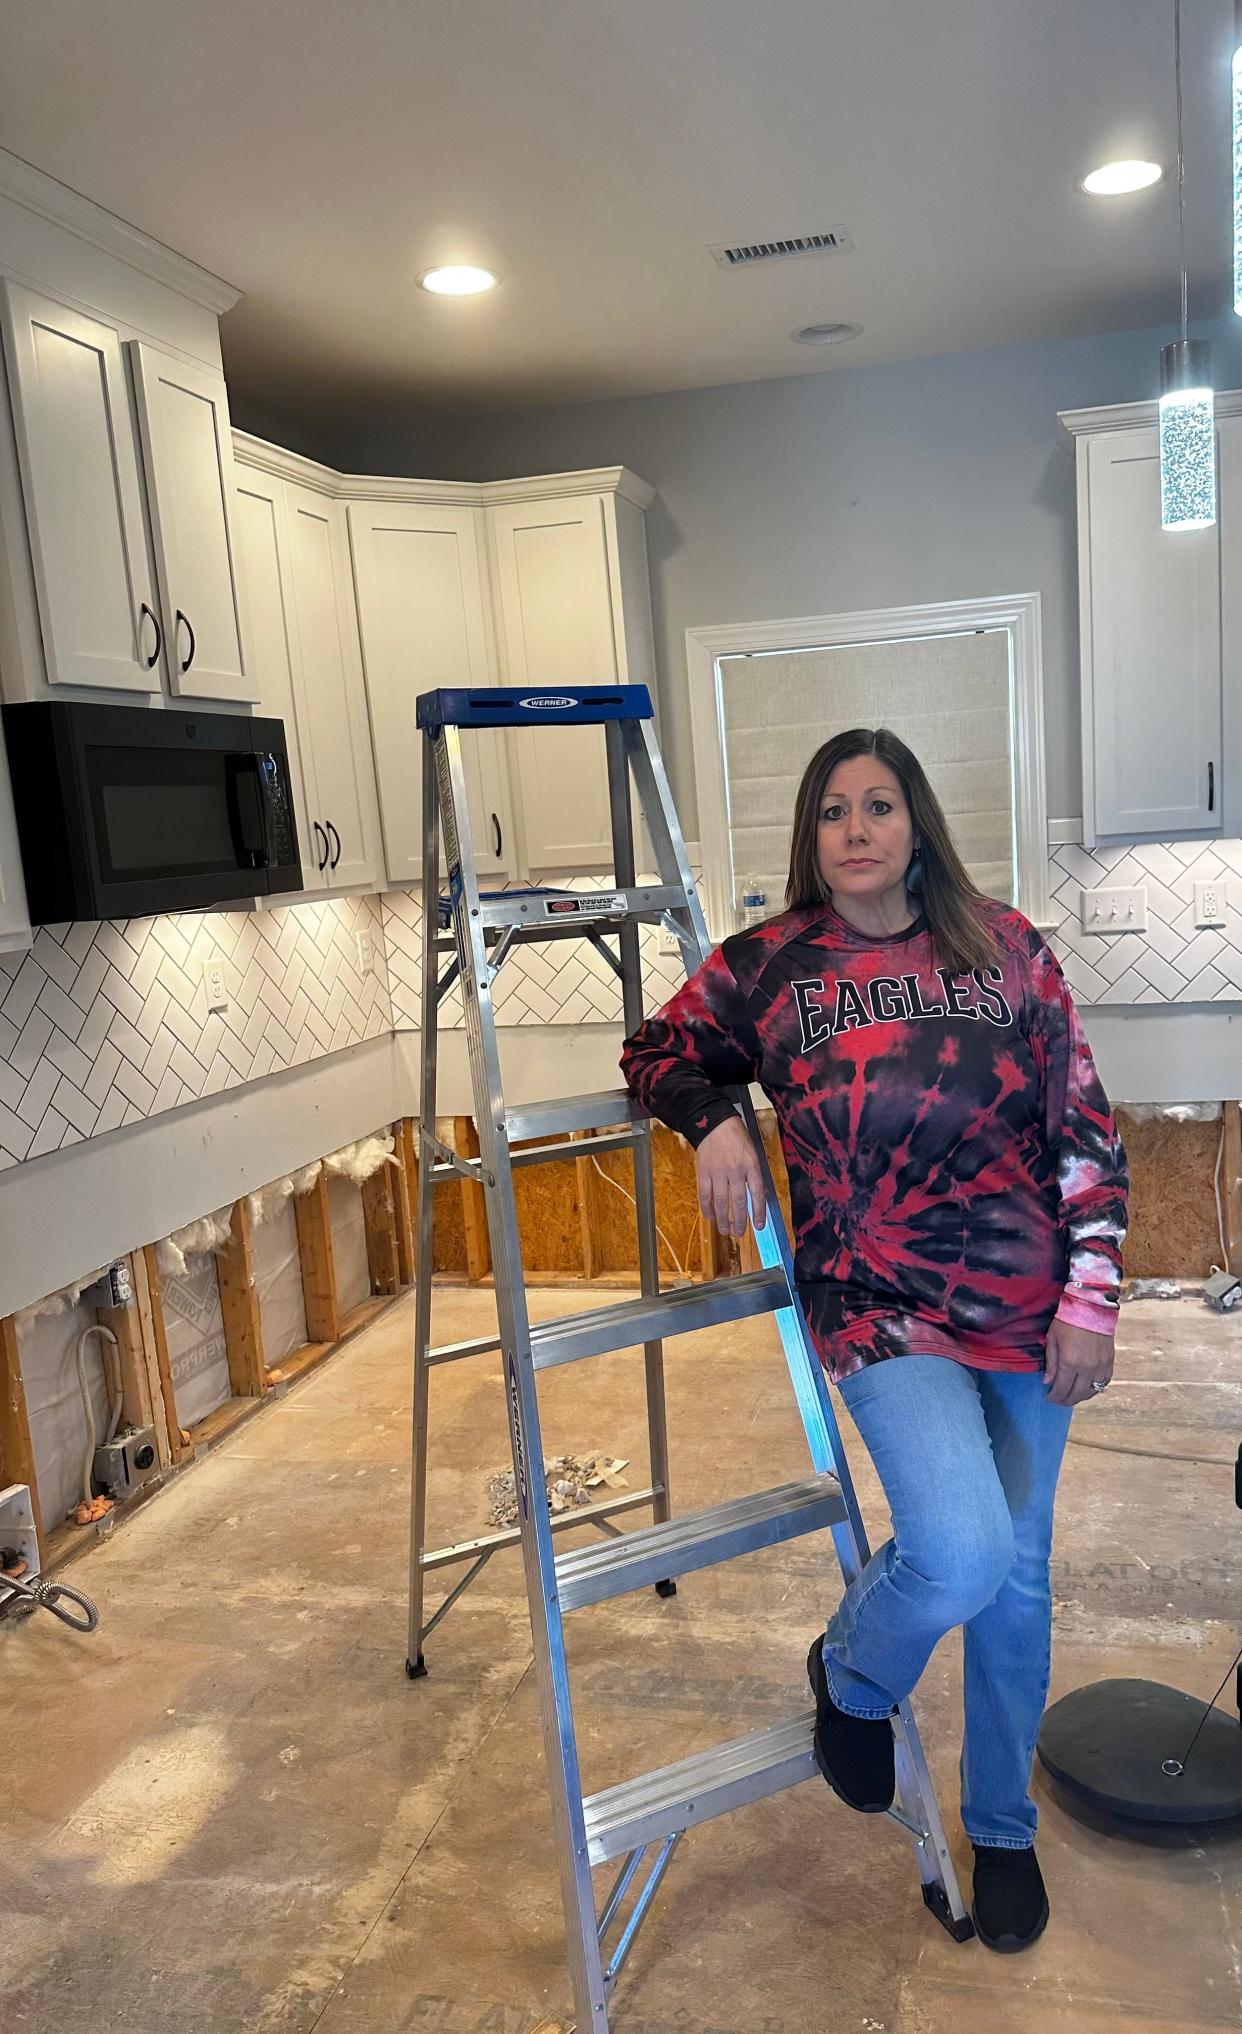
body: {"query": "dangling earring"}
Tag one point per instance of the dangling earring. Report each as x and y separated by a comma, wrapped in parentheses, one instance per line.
(914, 874)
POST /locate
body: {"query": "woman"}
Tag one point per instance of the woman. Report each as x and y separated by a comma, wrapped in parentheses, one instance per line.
(959, 1200)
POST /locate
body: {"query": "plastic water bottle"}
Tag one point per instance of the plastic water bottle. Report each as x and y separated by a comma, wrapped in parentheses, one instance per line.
(752, 902)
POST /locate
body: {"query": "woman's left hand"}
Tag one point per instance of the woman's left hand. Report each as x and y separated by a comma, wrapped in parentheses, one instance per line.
(1076, 1359)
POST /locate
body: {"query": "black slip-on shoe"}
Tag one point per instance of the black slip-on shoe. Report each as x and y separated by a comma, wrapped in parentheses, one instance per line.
(854, 1753)
(1010, 1909)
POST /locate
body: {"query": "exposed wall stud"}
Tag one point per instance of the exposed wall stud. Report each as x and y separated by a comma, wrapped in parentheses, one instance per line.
(473, 1204)
(239, 1306)
(379, 1218)
(151, 1308)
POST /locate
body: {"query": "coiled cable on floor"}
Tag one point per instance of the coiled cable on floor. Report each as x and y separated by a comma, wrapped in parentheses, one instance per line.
(53, 1596)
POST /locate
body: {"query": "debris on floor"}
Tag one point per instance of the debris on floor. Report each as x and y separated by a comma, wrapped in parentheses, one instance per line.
(571, 1480)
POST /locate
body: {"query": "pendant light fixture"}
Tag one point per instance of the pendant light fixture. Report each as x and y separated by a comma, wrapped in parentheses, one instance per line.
(1187, 406)
(1237, 157)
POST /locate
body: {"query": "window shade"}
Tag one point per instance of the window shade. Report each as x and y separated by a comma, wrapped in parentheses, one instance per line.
(948, 697)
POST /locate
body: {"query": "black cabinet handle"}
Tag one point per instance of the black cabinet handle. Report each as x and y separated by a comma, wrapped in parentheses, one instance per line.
(1211, 787)
(154, 657)
(499, 837)
(337, 838)
(190, 633)
(321, 863)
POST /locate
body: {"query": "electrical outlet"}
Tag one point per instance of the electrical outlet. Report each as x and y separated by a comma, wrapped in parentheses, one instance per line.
(215, 984)
(667, 943)
(366, 952)
(1212, 902)
(1117, 910)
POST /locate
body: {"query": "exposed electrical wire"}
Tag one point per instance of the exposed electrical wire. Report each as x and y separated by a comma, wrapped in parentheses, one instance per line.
(677, 1263)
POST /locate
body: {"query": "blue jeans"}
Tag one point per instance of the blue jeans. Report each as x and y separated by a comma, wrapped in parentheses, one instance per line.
(969, 1461)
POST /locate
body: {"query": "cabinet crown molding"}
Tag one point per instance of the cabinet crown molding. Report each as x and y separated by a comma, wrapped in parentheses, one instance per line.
(1073, 424)
(43, 195)
(284, 465)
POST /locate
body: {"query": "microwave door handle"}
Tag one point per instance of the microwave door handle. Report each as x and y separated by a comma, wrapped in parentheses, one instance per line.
(247, 816)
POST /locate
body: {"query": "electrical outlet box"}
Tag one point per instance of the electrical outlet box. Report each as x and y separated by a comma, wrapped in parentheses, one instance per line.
(114, 1289)
(215, 984)
(1117, 910)
(1211, 902)
(366, 952)
(667, 943)
(127, 1462)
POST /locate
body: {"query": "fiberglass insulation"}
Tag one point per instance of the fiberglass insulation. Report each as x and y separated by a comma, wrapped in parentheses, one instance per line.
(46, 1345)
(195, 1329)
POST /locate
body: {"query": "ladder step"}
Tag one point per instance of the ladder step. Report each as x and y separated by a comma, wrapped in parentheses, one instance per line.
(603, 1111)
(698, 1539)
(709, 1783)
(655, 1316)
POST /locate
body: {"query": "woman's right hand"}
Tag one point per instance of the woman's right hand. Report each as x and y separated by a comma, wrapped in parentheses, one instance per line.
(726, 1166)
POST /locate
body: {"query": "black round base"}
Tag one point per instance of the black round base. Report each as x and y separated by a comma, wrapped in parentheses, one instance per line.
(1109, 1744)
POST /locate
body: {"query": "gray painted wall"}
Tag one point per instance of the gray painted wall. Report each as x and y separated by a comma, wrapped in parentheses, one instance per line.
(856, 488)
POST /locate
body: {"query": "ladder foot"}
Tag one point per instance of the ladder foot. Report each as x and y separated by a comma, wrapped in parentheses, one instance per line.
(936, 1903)
(666, 1589)
(416, 1670)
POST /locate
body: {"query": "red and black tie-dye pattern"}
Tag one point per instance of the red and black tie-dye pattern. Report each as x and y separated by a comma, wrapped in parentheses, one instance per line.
(955, 1171)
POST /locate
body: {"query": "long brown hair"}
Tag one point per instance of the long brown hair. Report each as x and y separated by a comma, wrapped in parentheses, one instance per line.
(946, 896)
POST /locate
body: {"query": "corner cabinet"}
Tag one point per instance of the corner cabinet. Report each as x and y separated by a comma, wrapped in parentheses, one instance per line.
(420, 579)
(1155, 628)
(572, 608)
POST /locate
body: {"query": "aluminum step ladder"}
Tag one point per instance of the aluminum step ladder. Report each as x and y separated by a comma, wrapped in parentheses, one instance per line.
(467, 936)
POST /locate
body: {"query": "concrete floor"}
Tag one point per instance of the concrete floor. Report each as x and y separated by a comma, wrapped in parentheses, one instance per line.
(229, 1811)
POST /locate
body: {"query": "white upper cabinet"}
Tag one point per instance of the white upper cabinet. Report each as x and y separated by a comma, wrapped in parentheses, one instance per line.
(188, 452)
(1151, 642)
(270, 635)
(572, 610)
(82, 495)
(331, 698)
(422, 615)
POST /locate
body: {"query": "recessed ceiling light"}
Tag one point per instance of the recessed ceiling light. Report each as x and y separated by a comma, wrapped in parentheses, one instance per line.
(458, 281)
(1115, 179)
(826, 335)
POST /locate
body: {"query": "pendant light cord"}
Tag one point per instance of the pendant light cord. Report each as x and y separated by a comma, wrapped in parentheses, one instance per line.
(1181, 165)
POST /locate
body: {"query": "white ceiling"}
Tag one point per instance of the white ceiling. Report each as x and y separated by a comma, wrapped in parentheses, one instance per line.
(318, 154)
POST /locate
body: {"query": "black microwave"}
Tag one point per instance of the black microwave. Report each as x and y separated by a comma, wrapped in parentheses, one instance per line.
(125, 811)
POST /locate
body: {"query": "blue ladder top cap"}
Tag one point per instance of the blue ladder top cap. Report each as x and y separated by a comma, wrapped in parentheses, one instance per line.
(528, 706)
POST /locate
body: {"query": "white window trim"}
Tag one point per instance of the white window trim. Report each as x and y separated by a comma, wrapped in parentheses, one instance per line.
(1019, 613)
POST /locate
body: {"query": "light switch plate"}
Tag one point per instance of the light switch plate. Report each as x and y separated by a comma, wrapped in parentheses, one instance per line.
(1212, 901)
(215, 984)
(1119, 910)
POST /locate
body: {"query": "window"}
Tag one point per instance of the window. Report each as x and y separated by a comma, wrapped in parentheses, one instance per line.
(960, 684)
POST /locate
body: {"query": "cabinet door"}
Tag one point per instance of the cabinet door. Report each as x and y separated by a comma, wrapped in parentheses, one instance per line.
(332, 702)
(270, 636)
(82, 495)
(421, 614)
(556, 631)
(1151, 616)
(188, 452)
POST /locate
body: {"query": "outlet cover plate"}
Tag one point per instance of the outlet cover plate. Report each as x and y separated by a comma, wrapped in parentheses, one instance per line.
(1115, 910)
(366, 952)
(1212, 902)
(215, 984)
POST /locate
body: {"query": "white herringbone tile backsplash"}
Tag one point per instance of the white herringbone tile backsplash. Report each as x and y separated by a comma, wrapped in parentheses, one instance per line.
(1172, 962)
(102, 1024)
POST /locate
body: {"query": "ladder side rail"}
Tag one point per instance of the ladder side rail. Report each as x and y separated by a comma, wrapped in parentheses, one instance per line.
(551, 1666)
(630, 948)
(426, 1209)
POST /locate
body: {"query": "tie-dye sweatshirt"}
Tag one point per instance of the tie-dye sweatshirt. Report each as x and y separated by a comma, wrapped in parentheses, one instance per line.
(955, 1172)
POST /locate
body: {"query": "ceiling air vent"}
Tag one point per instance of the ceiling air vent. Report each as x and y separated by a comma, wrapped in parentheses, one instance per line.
(748, 254)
